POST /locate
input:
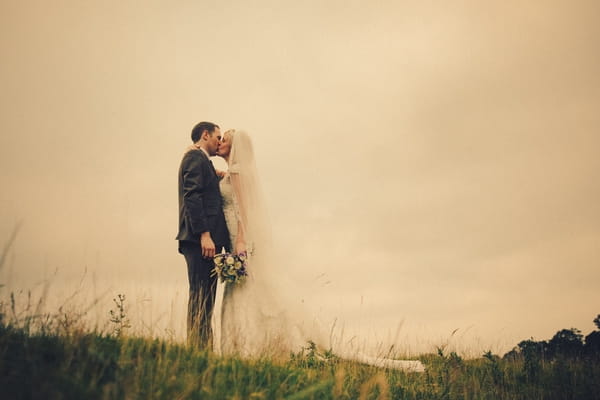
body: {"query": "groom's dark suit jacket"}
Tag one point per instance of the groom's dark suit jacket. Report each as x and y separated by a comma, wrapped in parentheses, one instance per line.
(200, 202)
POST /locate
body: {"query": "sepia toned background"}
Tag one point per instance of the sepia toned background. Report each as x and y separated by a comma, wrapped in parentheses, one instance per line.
(428, 166)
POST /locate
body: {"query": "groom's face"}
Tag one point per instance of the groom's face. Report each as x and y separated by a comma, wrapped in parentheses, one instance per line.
(213, 142)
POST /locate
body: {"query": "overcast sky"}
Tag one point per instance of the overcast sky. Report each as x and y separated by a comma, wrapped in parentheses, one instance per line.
(428, 162)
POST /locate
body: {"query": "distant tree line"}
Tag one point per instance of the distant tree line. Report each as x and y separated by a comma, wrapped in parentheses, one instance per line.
(566, 343)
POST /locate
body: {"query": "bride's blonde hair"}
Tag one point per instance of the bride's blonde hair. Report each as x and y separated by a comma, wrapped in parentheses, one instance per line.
(229, 132)
(242, 151)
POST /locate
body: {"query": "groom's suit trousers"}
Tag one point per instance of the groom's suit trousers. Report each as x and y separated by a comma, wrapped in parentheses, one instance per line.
(201, 296)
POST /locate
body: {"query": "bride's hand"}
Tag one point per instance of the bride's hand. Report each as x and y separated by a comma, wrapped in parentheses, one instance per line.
(192, 147)
(240, 247)
(220, 174)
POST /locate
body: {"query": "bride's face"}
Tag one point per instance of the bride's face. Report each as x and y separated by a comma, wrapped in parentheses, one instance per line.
(225, 146)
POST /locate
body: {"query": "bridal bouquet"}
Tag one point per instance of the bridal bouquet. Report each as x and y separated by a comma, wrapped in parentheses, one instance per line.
(231, 268)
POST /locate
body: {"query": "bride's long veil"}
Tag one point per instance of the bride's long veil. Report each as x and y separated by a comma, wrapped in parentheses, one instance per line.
(274, 309)
(272, 313)
(248, 191)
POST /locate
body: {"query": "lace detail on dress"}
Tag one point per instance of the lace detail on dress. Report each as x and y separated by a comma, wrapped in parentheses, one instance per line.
(230, 207)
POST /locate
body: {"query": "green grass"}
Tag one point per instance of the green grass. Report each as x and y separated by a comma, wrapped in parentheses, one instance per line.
(84, 365)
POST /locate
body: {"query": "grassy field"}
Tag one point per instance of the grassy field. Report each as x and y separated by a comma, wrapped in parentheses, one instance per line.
(87, 365)
(54, 356)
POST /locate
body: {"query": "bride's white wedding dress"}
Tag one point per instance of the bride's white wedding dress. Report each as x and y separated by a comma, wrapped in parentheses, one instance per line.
(249, 320)
(256, 318)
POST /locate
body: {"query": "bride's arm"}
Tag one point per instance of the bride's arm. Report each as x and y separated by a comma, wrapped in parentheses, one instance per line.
(241, 214)
(220, 174)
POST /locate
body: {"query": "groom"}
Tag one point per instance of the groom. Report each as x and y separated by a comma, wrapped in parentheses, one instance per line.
(202, 228)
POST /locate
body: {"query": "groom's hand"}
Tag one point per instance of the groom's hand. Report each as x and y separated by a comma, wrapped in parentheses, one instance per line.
(207, 244)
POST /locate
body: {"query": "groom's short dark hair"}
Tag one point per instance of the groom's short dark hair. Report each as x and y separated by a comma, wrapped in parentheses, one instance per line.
(201, 127)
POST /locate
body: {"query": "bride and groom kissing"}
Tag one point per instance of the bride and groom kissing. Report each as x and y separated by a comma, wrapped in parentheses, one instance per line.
(225, 210)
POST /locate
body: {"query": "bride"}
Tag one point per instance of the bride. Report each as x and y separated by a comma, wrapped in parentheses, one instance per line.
(257, 318)
(252, 321)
